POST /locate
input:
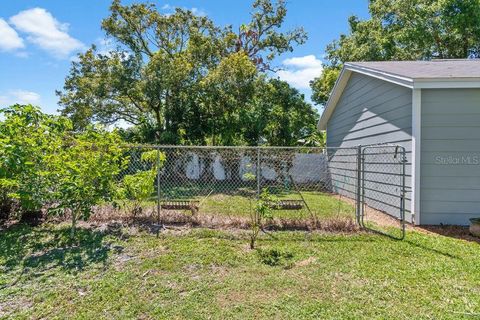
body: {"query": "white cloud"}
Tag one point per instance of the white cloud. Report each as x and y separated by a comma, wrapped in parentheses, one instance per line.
(196, 11)
(19, 96)
(3, 101)
(300, 70)
(9, 39)
(46, 32)
(23, 96)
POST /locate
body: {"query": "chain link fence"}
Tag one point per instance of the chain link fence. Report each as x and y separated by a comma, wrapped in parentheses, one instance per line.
(308, 187)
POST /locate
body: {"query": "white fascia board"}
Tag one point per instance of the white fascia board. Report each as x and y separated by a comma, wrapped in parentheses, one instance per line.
(334, 97)
(402, 81)
(456, 83)
(342, 82)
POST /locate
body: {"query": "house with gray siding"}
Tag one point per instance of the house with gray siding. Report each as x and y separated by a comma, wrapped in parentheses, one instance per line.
(432, 109)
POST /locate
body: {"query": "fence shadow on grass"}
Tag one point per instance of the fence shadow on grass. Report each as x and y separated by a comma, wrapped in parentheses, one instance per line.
(34, 250)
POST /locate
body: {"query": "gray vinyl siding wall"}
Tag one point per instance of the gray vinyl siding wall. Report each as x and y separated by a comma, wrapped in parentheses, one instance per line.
(372, 111)
(450, 159)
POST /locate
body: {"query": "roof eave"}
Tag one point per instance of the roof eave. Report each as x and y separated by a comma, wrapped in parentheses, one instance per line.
(390, 77)
(417, 83)
(445, 83)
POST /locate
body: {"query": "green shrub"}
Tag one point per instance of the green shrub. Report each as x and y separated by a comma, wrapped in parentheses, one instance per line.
(139, 187)
(85, 172)
(28, 138)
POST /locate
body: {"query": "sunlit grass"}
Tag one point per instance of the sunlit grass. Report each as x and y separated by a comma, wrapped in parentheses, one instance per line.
(205, 274)
(320, 204)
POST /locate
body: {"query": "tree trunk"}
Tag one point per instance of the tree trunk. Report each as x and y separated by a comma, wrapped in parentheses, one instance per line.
(252, 243)
(74, 224)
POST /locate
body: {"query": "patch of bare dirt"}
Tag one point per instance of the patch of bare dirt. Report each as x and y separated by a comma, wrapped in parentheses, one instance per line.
(7, 308)
(306, 262)
(458, 232)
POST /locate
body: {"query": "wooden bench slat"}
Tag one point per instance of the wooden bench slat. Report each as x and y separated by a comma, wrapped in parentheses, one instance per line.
(179, 204)
(286, 205)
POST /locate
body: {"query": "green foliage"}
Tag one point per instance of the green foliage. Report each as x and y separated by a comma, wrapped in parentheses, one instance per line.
(261, 212)
(84, 172)
(136, 189)
(180, 79)
(154, 157)
(323, 85)
(228, 89)
(262, 34)
(43, 163)
(27, 139)
(280, 115)
(139, 187)
(404, 30)
(316, 139)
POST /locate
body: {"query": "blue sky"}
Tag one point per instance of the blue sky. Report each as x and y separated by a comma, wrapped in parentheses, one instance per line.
(39, 38)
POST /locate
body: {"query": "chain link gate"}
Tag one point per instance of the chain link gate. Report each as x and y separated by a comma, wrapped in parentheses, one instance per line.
(381, 202)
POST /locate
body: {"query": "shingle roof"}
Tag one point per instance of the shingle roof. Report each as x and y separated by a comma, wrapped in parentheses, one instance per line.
(435, 69)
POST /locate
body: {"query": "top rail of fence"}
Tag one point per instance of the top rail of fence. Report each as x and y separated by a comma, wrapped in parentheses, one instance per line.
(151, 146)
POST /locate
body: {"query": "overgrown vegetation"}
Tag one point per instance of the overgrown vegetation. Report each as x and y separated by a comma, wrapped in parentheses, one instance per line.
(44, 164)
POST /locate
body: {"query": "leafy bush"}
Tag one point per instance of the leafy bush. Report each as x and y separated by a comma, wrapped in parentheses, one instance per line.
(85, 171)
(42, 162)
(139, 187)
(28, 138)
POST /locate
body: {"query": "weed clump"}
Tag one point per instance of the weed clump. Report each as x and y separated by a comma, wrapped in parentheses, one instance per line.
(276, 258)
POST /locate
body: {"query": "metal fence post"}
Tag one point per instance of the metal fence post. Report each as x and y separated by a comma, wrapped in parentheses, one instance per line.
(159, 207)
(359, 188)
(402, 192)
(258, 172)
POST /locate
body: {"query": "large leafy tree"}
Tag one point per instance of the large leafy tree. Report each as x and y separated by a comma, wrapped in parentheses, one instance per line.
(227, 92)
(151, 76)
(280, 116)
(177, 78)
(404, 30)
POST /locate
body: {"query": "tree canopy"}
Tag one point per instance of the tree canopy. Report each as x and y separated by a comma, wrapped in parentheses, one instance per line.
(404, 30)
(180, 79)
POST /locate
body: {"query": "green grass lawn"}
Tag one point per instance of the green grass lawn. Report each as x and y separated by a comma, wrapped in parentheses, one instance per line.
(203, 274)
(321, 204)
